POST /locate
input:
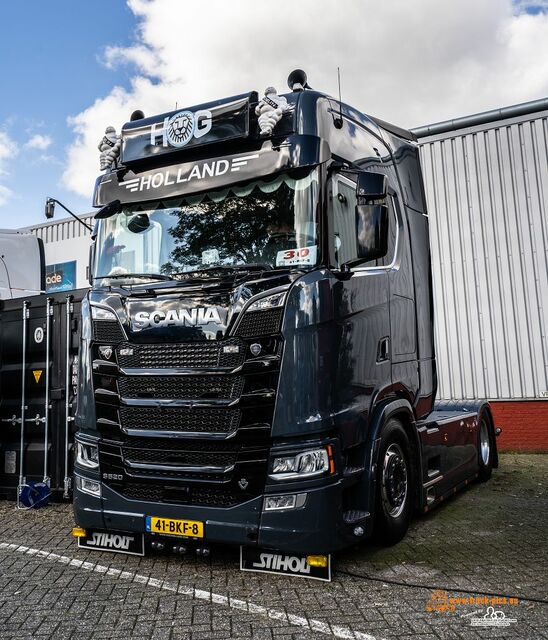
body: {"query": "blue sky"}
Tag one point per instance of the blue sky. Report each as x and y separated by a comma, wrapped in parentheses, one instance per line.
(50, 70)
(70, 68)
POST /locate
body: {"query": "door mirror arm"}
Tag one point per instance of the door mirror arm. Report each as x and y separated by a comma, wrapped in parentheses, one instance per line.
(347, 267)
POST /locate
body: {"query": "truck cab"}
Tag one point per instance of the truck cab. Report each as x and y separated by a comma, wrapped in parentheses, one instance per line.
(257, 359)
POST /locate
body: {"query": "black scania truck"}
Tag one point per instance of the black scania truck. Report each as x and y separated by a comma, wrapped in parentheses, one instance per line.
(257, 361)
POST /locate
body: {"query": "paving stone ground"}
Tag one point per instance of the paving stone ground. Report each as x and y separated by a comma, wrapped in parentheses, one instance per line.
(490, 538)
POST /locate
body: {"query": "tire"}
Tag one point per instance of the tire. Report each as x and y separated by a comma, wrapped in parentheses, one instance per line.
(394, 494)
(486, 447)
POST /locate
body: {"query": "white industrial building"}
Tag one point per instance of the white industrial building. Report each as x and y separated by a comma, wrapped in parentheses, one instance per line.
(65, 241)
(486, 179)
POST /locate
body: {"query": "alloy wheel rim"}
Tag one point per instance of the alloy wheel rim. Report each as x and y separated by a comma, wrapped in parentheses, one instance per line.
(394, 481)
(485, 445)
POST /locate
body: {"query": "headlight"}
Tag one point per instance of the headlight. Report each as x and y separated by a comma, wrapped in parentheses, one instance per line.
(91, 487)
(306, 464)
(268, 302)
(98, 313)
(87, 455)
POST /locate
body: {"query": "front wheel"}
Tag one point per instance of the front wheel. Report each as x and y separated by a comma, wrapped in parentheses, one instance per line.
(394, 492)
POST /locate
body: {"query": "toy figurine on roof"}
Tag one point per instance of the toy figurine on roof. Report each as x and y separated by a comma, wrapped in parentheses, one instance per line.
(109, 147)
(270, 110)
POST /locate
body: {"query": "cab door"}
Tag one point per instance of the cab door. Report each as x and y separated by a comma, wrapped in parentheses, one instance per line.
(362, 312)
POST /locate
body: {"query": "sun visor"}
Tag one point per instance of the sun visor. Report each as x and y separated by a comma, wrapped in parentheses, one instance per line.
(190, 176)
(185, 129)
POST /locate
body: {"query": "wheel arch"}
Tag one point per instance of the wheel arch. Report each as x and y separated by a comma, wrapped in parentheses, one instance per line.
(401, 409)
(473, 406)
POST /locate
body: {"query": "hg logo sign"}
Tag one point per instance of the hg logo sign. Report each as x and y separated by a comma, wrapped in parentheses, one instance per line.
(179, 130)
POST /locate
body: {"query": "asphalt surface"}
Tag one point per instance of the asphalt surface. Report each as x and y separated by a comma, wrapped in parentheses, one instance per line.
(491, 538)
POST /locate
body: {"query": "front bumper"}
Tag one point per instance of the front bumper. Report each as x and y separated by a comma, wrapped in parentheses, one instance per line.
(317, 527)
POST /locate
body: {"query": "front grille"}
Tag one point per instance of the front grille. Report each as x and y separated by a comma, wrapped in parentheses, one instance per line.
(180, 458)
(196, 420)
(260, 323)
(107, 331)
(207, 496)
(200, 469)
(183, 388)
(186, 355)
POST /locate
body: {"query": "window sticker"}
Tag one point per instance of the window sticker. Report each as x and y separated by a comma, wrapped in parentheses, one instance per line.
(304, 255)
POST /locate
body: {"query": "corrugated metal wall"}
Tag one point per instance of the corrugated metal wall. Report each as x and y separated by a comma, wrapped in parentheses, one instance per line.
(64, 229)
(487, 191)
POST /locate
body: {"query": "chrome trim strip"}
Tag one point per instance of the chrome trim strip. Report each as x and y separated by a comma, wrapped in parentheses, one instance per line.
(428, 484)
(178, 468)
(164, 402)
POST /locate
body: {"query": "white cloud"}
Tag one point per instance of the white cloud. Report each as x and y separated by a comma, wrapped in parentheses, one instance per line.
(5, 195)
(39, 141)
(411, 63)
(8, 150)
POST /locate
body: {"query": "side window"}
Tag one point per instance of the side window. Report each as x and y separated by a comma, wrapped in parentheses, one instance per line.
(344, 224)
(344, 219)
(392, 233)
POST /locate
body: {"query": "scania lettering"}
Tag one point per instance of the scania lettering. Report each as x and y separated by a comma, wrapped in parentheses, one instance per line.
(188, 317)
(257, 352)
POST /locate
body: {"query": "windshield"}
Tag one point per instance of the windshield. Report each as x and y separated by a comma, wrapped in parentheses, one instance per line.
(270, 224)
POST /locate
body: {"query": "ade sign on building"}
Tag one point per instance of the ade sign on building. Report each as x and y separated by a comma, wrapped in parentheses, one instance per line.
(61, 277)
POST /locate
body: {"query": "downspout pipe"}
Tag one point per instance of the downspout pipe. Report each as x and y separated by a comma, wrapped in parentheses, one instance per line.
(513, 111)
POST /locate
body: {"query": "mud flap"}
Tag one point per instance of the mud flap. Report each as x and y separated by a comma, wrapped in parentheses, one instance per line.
(287, 564)
(114, 541)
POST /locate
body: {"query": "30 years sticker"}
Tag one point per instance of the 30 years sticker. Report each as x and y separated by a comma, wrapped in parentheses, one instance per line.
(304, 255)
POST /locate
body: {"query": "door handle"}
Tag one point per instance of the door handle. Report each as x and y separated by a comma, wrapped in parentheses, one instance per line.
(383, 349)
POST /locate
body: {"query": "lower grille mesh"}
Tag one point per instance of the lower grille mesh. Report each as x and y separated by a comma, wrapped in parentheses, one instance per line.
(207, 496)
(183, 388)
(180, 419)
(181, 458)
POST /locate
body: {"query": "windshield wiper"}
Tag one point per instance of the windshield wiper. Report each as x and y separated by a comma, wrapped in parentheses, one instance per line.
(232, 268)
(148, 276)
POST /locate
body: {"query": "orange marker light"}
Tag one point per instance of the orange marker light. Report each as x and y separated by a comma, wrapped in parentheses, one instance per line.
(317, 561)
(331, 461)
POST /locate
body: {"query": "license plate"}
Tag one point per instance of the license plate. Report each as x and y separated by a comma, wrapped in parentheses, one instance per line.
(288, 564)
(114, 541)
(170, 527)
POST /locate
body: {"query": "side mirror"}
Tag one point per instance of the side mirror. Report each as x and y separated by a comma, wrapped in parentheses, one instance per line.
(49, 208)
(371, 231)
(109, 210)
(371, 187)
